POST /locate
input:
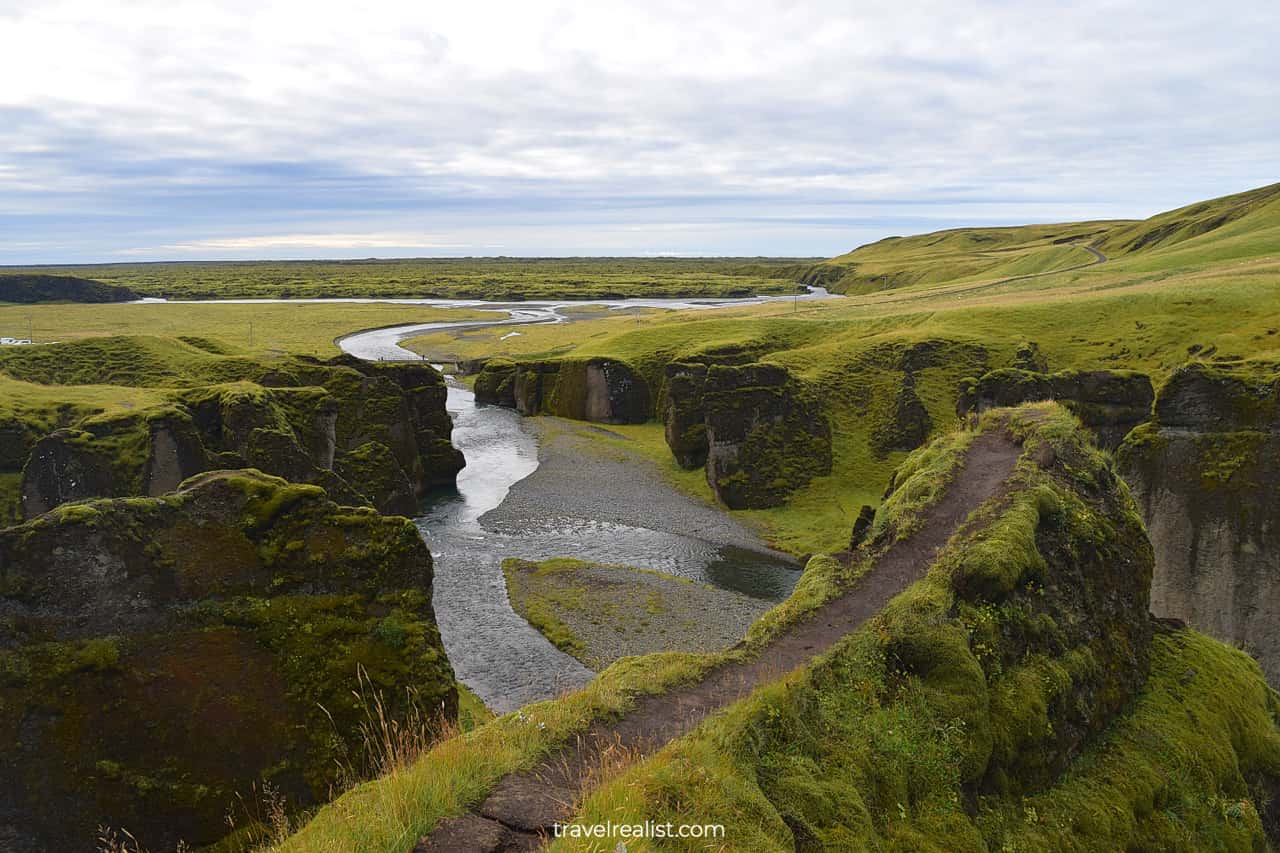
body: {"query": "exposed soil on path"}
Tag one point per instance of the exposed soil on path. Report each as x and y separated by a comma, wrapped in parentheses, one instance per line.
(522, 808)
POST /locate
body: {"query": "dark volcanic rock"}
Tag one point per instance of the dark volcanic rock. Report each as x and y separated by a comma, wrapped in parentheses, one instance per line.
(908, 423)
(370, 434)
(1206, 475)
(683, 414)
(1108, 402)
(765, 436)
(596, 389)
(862, 526)
(159, 655)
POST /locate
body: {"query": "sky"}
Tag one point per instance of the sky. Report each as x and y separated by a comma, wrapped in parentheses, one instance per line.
(196, 130)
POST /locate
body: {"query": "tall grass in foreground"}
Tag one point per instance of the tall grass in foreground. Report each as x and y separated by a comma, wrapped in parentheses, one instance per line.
(386, 743)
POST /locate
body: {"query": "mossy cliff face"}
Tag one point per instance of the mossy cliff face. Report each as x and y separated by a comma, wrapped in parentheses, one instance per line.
(160, 655)
(371, 434)
(1017, 698)
(1109, 402)
(684, 415)
(596, 389)
(766, 436)
(1206, 475)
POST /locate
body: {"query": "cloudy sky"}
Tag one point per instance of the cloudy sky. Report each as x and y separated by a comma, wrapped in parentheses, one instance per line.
(187, 129)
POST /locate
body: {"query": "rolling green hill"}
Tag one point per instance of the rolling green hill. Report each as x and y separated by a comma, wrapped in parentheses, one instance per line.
(1243, 225)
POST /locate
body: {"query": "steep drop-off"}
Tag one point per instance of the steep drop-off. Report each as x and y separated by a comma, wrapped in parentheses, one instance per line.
(1206, 474)
(369, 433)
(160, 656)
(1108, 402)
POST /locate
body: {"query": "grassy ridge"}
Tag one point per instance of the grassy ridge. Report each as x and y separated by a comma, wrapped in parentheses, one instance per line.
(1214, 295)
(1235, 227)
(35, 288)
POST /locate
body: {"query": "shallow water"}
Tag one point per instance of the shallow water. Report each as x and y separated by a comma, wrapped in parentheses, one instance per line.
(384, 344)
(494, 651)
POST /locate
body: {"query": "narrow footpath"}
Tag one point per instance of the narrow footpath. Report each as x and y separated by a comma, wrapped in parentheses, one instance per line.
(521, 809)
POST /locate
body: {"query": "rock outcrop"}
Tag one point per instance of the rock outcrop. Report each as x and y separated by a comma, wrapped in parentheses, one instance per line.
(766, 437)
(756, 429)
(595, 389)
(1108, 402)
(684, 415)
(1206, 475)
(908, 424)
(159, 656)
(372, 434)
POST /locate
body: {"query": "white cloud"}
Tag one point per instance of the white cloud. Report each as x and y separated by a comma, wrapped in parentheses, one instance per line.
(121, 107)
(386, 240)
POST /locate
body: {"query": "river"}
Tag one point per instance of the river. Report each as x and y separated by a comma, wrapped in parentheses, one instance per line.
(494, 651)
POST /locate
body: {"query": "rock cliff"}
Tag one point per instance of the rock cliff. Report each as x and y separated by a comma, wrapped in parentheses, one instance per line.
(1206, 474)
(595, 389)
(159, 656)
(1108, 402)
(370, 433)
(765, 434)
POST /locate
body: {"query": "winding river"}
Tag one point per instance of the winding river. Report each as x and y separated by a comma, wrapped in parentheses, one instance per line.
(494, 651)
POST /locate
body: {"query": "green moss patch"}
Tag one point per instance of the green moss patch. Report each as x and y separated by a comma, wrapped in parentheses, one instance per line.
(600, 613)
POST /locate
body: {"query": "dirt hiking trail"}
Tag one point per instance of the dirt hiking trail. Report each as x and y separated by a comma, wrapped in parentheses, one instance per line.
(522, 808)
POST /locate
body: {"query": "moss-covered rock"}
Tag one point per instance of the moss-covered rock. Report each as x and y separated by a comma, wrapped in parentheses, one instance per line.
(1206, 475)
(307, 433)
(592, 389)
(160, 655)
(908, 423)
(684, 415)
(375, 468)
(1109, 402)
(766, 435)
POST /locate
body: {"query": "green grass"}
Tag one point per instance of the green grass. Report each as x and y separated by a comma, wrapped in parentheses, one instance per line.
(307, 329)
(540, 603)
(472, 712)
(965, 254)
(1235, 227)
(466, 278)
(1215, 295)
(391, 813)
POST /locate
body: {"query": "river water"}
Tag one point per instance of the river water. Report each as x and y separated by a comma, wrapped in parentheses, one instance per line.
(494, 651)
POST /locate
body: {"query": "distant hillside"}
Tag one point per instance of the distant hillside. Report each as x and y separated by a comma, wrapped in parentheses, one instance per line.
(966, 254)
(1243, 225)
(28, 289)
